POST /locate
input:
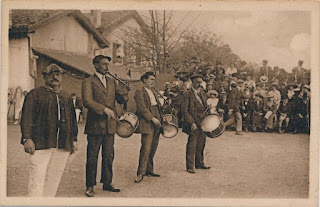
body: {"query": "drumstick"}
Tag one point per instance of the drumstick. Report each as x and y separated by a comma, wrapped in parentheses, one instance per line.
(119, 121)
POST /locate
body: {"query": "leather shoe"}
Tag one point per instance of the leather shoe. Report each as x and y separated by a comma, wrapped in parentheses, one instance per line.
(138, 179)
(110, 187)
(191, 171)
(153, 174)
(204, 167)
(90, 192)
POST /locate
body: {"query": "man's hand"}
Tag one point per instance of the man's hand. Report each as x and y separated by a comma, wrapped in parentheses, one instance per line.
(193, 127)
(300, 116)
(29, 146)
(109, 113)
(74, 147)
(156, 121)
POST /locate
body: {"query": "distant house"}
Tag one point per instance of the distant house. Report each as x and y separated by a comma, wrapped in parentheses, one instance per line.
(112, 25)
(38, 38)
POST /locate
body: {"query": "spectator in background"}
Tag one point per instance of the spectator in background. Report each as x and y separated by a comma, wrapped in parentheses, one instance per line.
(257, 112)
(284, 114)
(223, 106)
(212, 101)
(231, 70)
(265, 69)
(275, 93)
(299, 74)
(249, 83)
(246, 111)
(270, 109)
(219, 71)
(77, 103)
(167, 88)
(302, 111)
(18, 103)
(290, 93)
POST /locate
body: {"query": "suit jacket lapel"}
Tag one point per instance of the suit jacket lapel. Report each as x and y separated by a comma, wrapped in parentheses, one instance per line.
(98, 83)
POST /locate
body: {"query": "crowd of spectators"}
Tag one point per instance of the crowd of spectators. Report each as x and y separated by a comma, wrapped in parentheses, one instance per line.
(267, 99)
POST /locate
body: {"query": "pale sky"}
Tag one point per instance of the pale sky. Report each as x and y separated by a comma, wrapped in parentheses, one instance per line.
(281, 37)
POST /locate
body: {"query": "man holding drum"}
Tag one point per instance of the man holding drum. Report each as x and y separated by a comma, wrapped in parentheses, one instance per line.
(193, 111)
(150, 118)
(99, 94)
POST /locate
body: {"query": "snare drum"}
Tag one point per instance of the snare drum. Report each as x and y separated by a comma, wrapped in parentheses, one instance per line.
(170, 126)
(212, 126)
(127, 124)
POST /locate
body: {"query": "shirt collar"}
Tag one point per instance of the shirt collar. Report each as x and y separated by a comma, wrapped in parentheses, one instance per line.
(100, 76)
(195, 90)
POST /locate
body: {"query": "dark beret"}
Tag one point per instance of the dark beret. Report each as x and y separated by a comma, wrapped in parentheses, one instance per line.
(147, 74)
(97, 58)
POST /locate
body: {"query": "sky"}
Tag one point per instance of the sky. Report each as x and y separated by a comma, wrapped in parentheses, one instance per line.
(281, 37)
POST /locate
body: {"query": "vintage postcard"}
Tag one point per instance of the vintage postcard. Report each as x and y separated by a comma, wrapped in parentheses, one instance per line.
(160, 103)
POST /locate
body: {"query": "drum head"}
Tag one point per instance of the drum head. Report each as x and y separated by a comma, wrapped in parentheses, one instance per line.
(124, 129)
(210, 123)
(169, 131)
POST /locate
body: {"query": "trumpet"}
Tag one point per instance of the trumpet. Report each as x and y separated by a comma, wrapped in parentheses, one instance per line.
(121, 81)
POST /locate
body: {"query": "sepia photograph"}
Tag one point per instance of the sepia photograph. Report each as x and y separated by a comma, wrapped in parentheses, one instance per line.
(202, 104)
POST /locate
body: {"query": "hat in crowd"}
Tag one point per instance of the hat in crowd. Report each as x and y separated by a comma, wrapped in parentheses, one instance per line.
(265, 61)
(224, 83)
(52, 68)
(240, 81)
(223, 93)
(214, 92)
(196, 75)
(306, 86)
(174, 90)
(167, 84)
(212, 75)
(146, 75)
(233, 84)
(285, 97)
(259, 94)
(300, 61)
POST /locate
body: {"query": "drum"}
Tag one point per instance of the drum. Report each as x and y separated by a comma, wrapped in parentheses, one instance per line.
(212, 126)
(170, 126)
(127, 124)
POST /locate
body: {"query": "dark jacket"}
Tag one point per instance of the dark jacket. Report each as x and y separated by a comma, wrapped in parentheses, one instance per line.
(95, 98)
(234, 98)
(143, 112)
(257, 108)
(191, 109)
(40, 119)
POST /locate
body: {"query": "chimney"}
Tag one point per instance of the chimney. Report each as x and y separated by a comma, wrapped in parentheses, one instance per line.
(96, 18)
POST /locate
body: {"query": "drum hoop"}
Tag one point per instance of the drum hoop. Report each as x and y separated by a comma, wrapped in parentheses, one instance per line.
(176, 131)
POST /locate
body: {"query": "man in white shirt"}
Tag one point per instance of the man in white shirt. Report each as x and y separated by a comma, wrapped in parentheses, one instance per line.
(150, 119)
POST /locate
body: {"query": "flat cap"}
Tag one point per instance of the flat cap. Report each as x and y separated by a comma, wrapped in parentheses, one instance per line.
(146, 75)
(52, 68)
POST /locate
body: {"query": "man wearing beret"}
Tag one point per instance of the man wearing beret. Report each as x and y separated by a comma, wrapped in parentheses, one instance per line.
(150, 118)
(234, 108)
(100, 94)
(193, 109)
(49, 132)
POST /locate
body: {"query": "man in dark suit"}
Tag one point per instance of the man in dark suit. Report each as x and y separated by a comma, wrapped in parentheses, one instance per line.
(234, 115)
(265, 70)
(193, 110)
(99, 94)
(150, 118)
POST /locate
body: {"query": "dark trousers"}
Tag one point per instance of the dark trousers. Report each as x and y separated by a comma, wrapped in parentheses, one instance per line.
(195, 148)
(149, 145)
(93, 148)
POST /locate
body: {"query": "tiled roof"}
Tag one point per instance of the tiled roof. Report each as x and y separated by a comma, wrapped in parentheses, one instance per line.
(112, 16)
(26, 18)
(83, 63)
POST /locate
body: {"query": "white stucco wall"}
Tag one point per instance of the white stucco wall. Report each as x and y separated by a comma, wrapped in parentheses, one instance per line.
(63, 34)
(19, 65)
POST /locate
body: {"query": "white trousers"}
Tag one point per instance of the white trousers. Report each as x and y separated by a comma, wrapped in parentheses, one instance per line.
(46, 169)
